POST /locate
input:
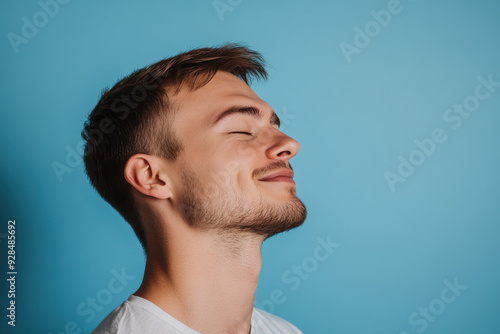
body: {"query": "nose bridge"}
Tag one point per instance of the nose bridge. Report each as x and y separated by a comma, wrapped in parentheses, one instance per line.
(279, 145)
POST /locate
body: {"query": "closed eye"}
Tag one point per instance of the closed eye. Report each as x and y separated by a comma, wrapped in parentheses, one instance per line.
(242, 132)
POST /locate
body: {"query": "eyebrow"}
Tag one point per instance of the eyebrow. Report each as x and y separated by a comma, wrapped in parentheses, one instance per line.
(252, 111)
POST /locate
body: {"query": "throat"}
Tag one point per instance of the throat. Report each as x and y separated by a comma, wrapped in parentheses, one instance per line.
(206, 282)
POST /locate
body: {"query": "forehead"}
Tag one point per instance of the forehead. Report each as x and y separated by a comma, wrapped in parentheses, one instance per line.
(202, 105)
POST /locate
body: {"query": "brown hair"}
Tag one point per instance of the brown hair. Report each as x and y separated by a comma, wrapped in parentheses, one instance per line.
(134, 116)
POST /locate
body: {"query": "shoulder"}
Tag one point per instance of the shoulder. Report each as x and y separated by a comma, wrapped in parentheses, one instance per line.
(113, 322)
(266, 323)
(138, 315)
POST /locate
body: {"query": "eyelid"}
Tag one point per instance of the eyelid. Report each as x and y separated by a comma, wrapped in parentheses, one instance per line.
(242, 132)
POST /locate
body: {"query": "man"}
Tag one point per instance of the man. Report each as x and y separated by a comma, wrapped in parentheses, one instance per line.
(193, 159)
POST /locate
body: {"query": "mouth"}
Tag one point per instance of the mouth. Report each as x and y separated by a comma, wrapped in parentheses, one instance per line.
(279, 176)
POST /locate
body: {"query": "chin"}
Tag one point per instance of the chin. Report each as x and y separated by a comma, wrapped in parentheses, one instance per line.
(279, 218)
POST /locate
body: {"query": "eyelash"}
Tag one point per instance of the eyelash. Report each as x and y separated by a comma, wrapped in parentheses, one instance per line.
(243, 132)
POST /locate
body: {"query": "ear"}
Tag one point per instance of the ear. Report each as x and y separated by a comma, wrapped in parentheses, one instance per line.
(144, 172)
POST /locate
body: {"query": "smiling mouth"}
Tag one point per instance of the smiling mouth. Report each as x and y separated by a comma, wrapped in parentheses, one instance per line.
(279, 179)
(280, 176)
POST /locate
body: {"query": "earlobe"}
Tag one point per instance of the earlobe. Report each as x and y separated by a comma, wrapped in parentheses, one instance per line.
(144, 173)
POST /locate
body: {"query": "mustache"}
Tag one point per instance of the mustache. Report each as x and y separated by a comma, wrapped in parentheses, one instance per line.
(278, 165)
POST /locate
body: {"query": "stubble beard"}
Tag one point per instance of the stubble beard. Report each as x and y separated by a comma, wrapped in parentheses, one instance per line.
(225, 212)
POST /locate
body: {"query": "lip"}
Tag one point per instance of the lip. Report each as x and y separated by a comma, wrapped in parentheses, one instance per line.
(279, 176)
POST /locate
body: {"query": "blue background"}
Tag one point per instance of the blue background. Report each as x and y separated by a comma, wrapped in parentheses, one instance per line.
(353, 120)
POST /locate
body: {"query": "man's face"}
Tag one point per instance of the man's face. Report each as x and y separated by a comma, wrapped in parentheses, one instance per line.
(233, 173)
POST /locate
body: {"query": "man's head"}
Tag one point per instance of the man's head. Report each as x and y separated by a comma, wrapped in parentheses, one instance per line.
(188, 135)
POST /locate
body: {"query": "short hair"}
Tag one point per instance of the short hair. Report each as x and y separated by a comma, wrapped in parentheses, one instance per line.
(135, 116)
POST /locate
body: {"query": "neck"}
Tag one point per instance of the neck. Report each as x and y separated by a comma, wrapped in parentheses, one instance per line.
(205, 280)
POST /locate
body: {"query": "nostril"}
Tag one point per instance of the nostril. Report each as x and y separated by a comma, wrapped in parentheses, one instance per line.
(284, 153)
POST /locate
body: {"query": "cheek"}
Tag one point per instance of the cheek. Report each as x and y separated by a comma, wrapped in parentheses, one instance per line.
(232, 176)
(227, 167)
(219, 174)
(236, 158)
(245, 153)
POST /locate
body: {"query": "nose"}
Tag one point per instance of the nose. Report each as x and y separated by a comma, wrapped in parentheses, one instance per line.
(283, 147)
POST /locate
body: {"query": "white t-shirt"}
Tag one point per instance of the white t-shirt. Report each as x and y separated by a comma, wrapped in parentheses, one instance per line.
(139, 315)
